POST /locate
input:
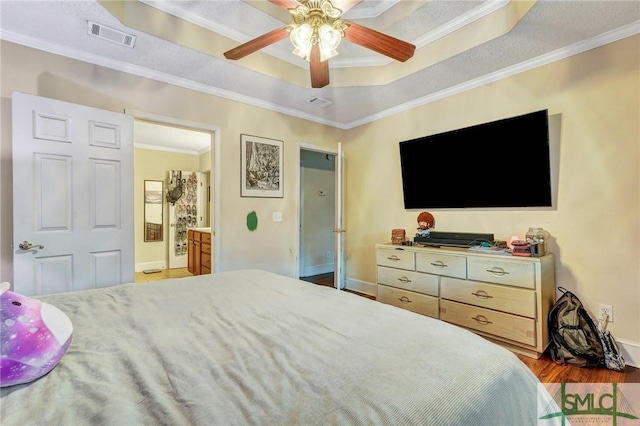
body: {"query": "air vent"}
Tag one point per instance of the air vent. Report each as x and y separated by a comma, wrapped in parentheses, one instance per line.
(110, 34)
(321, 102)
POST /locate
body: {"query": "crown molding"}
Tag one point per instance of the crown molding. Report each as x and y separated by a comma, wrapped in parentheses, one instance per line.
(461, 21)
(557, 55)
(365, 10)
(158, 76)
(594, 42)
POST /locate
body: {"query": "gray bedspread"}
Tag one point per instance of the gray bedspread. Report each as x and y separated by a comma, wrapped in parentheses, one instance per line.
(255, 348)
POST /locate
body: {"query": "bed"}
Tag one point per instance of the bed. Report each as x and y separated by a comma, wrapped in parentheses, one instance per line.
(256, 348)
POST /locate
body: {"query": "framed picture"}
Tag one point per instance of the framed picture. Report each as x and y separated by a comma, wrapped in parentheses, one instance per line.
(262, 163)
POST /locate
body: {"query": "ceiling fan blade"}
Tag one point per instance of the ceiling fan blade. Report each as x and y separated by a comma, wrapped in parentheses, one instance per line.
(256, 44)
(379, 42)
(319, 69)
(285, 4)
(345, 5)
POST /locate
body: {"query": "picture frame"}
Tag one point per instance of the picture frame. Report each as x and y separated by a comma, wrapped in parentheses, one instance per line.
(261, 167)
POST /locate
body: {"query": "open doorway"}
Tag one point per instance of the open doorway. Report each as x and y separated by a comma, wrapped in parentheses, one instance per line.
(317, 177)
(163, 145)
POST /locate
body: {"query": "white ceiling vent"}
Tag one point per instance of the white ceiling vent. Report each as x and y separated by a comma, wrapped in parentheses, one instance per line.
(321, 102)
(110, 34)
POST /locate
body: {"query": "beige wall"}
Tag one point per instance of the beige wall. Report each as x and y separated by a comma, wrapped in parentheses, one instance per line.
(155, 165)
(273, 246)
(204, 162)
(595, 226)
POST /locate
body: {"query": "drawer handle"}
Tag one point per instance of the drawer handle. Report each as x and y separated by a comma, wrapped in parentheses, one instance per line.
(404, 279)
(481, 319)
(439, 264)
(393, 258)
(404, 299)
(481, 294)
(498, 272)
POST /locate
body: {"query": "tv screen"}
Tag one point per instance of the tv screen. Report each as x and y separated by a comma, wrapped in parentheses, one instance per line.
(503, 163)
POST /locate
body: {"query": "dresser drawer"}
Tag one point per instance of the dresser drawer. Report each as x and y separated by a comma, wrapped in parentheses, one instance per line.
(442, 264)
(501, 298)
(513, 273)
(512, 327)
(415, 302)
(206, 237)
(408, 280)
(396, 258)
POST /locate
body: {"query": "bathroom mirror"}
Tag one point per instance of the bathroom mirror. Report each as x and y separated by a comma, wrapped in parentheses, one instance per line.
(153, 190)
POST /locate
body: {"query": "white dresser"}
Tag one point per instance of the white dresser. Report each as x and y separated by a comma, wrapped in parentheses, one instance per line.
(503, 298)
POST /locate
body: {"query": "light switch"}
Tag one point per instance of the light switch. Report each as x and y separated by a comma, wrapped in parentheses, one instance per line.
(277, 216)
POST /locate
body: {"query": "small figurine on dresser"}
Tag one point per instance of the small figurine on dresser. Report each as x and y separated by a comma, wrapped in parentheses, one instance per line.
(398, 236)
(426, 222)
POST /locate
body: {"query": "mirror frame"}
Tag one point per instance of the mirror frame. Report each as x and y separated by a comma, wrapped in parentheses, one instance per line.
(153, 197)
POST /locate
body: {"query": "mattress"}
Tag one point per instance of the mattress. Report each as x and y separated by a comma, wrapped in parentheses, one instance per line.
(256, 348)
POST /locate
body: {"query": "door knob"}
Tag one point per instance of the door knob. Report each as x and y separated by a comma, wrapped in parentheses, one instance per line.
(26, 245)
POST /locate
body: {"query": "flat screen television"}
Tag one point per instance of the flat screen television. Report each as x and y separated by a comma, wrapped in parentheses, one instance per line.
(503, 163)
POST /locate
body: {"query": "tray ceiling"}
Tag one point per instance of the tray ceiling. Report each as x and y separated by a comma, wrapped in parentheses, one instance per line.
(460, 45)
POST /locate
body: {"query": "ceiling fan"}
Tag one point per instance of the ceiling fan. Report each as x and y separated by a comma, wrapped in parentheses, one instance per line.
(316, 33)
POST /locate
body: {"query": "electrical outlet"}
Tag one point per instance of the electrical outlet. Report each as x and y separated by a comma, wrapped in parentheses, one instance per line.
(604, 311)
(328, 255)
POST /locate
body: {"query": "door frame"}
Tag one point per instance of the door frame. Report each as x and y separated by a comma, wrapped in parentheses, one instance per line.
(215, 165)
(301, 146)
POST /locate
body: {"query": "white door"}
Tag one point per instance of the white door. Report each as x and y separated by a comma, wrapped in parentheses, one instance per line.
(339, 231)
(189, 211)
(72, 196)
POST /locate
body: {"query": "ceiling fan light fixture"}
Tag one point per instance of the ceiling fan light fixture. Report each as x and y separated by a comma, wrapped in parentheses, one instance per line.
(316, 22)
(302, 40)
(328, 40)
(329, 10)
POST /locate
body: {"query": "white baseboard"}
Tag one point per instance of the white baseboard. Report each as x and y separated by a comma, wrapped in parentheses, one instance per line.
(630, 351)
(309, 271)
(160, 264)
(363, 287)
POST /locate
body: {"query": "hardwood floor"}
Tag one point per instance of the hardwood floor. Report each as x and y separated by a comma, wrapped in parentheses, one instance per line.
(544, 368)
(141, 277)
(327, 280)
(550, 372)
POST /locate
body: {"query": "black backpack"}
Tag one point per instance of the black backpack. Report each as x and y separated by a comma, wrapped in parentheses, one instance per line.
(576, 339)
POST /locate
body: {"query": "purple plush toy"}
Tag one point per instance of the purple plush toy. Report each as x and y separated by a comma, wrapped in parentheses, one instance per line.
(35, 336)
